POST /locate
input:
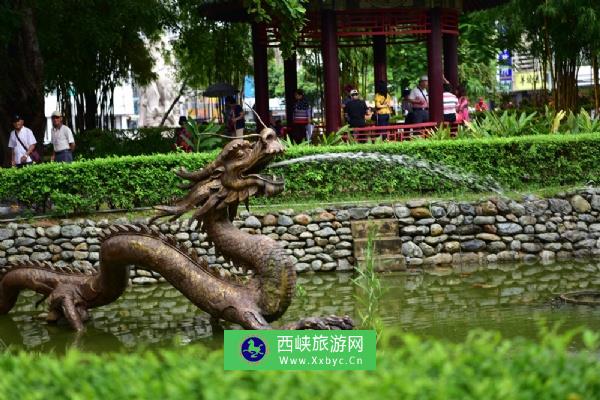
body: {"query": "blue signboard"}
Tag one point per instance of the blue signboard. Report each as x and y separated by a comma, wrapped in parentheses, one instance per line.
(249, 87)
(505, 67)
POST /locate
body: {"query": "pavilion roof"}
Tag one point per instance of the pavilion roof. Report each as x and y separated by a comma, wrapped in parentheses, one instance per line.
(234, 11)
(475, 5)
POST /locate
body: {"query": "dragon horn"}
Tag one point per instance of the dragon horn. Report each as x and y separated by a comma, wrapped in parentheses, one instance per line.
(197, 175)
(257, 116)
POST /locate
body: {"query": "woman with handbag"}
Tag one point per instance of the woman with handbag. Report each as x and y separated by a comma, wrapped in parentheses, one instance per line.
(22, 144)
(383, 106)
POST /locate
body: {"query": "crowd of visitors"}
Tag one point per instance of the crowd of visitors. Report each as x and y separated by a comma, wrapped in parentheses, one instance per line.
(414, 107)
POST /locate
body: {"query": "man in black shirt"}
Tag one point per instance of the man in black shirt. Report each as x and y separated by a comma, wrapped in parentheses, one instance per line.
(355, 110)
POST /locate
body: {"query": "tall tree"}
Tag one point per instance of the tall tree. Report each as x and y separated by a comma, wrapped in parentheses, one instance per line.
(561, 33)
(91, 47)
(21, 71)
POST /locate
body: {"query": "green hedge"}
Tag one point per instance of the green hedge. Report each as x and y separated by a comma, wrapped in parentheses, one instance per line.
(119, 182)
(129, 142)
(483, 367)
(127, 182)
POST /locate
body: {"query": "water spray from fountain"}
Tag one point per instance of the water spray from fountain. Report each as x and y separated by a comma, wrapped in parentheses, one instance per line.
(485, 184)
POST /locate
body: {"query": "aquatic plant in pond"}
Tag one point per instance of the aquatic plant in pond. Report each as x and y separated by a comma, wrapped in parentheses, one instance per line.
(369, 289)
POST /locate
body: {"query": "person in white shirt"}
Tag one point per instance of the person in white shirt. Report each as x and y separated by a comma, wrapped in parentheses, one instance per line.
(420, 101)
(21, 142)
(450, 104)
(63, 142)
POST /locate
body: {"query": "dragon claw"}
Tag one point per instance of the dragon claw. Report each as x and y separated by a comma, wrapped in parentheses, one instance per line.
(331, 322)
(63, 304)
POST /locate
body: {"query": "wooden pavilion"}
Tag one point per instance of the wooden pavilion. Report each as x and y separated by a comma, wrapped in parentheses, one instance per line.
(336, 23)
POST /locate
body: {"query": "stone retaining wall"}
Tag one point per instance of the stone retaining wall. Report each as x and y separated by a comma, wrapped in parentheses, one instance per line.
(441, 232)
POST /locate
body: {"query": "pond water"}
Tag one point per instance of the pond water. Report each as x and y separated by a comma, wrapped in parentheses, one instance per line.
(441, 303)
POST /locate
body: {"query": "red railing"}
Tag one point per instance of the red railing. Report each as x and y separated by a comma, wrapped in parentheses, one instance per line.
(399, 133)
(392, 133)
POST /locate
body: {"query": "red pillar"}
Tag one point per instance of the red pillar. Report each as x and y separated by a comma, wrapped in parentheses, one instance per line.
(290, 77)
(435, 71)
(379, 59)
(261, 77)
(451, 59)
(331, 74)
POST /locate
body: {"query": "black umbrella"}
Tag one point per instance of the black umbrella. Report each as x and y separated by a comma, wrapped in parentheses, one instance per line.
(220, 90)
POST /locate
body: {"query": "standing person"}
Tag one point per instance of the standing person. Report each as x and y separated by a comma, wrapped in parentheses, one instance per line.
(383, 104)
(420, 101)
(63, 142)
(302, 117)
(356, 110)
(481, 105)
(450, 104)
(236, 117)
(347, 90)
(21, 143)
(462, 111)
(181, 134)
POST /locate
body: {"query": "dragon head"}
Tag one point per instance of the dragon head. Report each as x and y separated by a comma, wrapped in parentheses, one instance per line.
(242, 161)
(230, 179)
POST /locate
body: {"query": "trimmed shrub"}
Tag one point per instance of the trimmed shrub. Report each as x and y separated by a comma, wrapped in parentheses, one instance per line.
(514, 163)
(483, 367)
(119, 182)
(128, 182)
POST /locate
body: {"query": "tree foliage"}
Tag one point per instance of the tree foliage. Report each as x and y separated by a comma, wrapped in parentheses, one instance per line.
(406, 63)
(561, 33)
(478, 50)
(208, 51)
(91, 47)
(290, 15)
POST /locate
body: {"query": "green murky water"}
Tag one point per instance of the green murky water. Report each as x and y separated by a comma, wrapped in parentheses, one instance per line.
(441, 303)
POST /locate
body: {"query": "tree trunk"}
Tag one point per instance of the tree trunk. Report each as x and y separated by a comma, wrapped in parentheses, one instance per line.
(80, 112)
(91, 109)
(179, 94)
(566, 83)
(596, 84)
(22, 84)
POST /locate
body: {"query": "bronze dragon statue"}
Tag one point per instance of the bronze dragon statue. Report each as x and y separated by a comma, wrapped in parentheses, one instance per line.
(214, 193)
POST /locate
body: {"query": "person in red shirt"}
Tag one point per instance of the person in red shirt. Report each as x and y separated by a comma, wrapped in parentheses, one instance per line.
(481, 105)
(181, 134)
